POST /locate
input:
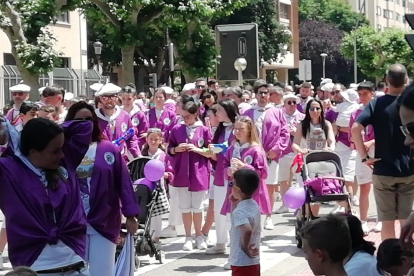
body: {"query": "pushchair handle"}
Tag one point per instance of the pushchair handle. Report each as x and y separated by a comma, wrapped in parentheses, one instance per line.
(332, 177)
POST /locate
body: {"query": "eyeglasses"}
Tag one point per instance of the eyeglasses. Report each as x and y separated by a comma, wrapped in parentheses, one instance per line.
(206, 97)
(18, 94)
(408, 130)
(315, 109)
(111, 97)
(263, 93)
(291, 102)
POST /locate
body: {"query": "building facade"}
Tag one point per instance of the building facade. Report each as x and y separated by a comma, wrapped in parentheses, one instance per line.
(384, 14)
(288, 16)
(71, 34)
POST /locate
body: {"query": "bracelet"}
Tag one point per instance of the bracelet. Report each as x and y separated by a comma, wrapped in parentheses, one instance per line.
(363, 160)
(172, 151)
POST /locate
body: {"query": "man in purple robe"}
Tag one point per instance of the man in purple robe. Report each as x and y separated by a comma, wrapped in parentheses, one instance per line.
(20, 94)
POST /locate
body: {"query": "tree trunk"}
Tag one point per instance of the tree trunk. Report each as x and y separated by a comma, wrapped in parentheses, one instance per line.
(128, 75)
(31, 80)
(159, 66)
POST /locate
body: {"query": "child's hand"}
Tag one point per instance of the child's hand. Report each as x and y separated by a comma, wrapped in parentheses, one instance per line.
(237, 163)
(166, 175)
(230, 172)
(233, 199)
(253, 251)
(143, 135)
(181, 147)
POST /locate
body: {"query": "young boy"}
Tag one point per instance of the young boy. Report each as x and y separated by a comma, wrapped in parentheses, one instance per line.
(50, 112)
(326, 243)
(245, 225)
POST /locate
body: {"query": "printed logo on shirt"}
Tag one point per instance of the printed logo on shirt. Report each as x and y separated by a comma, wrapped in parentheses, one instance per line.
(63, 172)
(109, 158)
(167, 121)
(248, 160)
(135, 122)
(124, 127)
(200, 142)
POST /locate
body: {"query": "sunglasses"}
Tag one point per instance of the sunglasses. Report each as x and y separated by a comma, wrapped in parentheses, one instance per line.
(263, 93)
(315, 109)
(206, 97)
(200, 86)
(18, 94)
(105, 98)
(127, 90)
(408, 130)
(291, 102)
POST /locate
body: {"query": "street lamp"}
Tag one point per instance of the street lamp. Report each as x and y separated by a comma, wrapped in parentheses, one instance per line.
(98, 50)
(323, 55)
(240, 65)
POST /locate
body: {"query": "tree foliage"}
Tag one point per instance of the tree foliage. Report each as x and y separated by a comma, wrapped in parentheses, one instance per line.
(25, 22)
(337, 12)
(273, 36)
(376, 51)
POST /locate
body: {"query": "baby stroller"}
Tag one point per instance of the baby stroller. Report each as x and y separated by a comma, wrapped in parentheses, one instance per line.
(147, 196)
(326, 165)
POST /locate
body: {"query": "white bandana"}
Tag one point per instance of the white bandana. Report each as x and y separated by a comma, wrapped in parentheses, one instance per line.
(191, 129)
(237, 149)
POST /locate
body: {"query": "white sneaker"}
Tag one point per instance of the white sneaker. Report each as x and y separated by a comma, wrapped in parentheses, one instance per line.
(227, 266)
(200, 243)
(208, 241)
(378, 227)
(219, 248)
(268, 225)
(188, 244)
(355, 201)
(282, 210)
(278, 197)
(365, 228)
(168, 232)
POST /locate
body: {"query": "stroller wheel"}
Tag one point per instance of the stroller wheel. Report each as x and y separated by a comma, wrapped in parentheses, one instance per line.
(298, 227)
(160, 256)
(137, 263)
(299, 242)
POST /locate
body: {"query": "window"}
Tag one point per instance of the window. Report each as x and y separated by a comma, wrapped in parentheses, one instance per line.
(64, 62)
(397, 17)
(390, 15)
(379, 10)
(284, 11)
(63, 17)
(9, 59)
(385, 13)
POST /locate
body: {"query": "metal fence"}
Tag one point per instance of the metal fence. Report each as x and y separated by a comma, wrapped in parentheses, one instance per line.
(72, 80)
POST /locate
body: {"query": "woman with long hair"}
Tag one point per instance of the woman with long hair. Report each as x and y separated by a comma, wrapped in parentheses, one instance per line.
(361, 259)
(46, 224)
(105, 186)
(227, 112)
(158, 116)
(208, 97)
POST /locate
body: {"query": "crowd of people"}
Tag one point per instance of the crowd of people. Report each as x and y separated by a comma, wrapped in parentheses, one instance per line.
(65, 144)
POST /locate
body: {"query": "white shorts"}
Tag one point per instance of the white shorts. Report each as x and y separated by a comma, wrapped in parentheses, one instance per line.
(362, 171)
(272, 172)
(191, 201)
(284, 167)
(347, 159)
(211, 189)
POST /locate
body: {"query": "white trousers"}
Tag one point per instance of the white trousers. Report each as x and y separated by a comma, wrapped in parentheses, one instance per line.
(100, 254)
(83, 272)
(174, 218)
(156, 226)
(222, 226)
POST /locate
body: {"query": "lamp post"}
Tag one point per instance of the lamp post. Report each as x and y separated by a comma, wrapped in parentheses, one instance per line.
(240, 65)
(323, 55)
(98, 50)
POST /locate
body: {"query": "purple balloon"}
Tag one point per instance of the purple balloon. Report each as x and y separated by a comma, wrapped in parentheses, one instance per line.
(154, 170)
(294, 198)
(142, 181)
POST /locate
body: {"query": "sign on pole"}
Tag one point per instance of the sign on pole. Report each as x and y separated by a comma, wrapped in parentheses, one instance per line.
(409, 17)
(305, 70)
(235, 41)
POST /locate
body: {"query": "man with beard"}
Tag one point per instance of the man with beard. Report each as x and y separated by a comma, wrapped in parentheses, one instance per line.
(305, 95)
(114, 121)
(20, 94)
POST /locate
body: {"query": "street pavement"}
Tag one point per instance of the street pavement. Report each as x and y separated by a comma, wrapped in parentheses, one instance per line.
(279, 254)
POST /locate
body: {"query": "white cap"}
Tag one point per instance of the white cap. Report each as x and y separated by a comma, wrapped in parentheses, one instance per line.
(290, 96)
(108, 89)
(41, 90)
(325, 81)
(353, 86)
(20, 88)
(69, 96)
(327, 87)
(288, 88)
(167, 89)
(96, 86)
(189, 87)
(350, 95)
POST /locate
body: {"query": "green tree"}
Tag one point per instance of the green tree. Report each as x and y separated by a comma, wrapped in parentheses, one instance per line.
(337, 12)
(25, 22)
(273, 36)
(138, 26)
(376, 51)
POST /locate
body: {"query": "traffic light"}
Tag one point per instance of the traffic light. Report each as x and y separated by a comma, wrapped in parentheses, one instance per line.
(409, 17)
(153, 80)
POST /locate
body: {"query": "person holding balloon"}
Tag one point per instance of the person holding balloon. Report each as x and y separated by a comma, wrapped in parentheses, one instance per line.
(191, 167)
(105, 186)
(154, 149)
